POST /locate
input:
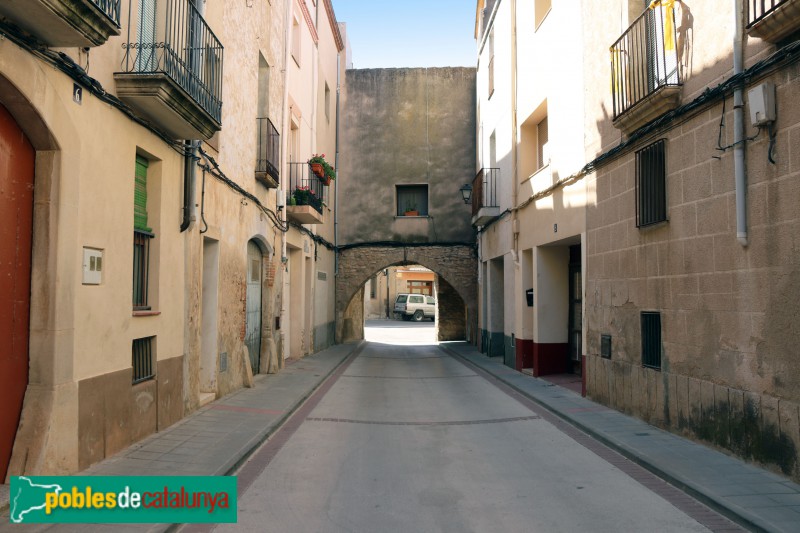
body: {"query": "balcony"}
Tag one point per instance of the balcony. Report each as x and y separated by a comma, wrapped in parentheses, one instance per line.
(773, 20)
(304, 195)
(82, 23)
(172, 71)
(645, 77)
(484, 196)
(268, 159)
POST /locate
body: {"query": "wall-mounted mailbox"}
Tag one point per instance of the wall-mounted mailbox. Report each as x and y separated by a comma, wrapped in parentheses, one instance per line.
(529, 297)
(92, 266)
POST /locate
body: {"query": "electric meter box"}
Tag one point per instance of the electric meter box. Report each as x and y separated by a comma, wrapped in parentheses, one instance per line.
(92, 266)
(761, 101)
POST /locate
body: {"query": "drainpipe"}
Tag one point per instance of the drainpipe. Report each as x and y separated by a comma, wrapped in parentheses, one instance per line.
(739, 169)
(189, 177)
(336, 165)
(285, 154)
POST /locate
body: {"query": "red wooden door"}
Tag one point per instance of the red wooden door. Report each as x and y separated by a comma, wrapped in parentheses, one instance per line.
(16, 221)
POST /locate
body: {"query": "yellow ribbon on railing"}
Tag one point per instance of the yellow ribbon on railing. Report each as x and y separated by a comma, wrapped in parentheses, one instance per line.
(669, 23)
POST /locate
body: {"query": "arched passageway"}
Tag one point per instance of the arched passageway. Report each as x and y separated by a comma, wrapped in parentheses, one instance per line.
(456, 286)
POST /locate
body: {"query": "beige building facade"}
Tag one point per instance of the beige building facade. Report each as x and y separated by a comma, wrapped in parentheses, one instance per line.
(156, 174)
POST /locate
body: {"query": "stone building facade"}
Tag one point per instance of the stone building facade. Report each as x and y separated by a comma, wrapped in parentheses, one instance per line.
(408, 138)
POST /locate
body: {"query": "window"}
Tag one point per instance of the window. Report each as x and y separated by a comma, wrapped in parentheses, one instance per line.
(327, 102)
(142, 234)
(430, 300)
(542, 8)
(415, 299)
(420, 287)
(651, 339)
(373, 287)
(542, 152)
(296, 40)
(412, 200)
(142, 359)
(651, 186)
(491, 63)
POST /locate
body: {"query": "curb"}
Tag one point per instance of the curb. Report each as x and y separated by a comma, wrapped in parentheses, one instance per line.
(733, 512)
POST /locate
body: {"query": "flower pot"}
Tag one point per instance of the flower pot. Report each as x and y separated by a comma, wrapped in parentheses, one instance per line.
(412, 213)
(326, 180)
(317, 169)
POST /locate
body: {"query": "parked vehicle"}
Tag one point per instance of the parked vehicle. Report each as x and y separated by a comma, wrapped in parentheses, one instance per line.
(415, 307)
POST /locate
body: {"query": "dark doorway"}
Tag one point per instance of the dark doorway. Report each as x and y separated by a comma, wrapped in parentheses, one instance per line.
(575, 309)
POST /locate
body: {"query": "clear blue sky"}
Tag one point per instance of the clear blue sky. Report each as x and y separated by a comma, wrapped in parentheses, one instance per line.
(409, 33)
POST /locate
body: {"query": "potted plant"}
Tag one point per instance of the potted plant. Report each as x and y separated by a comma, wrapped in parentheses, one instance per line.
(301, 196)
(411, 209)
(322, 168)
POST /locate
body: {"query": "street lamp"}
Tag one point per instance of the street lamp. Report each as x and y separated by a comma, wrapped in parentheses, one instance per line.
(466, 192)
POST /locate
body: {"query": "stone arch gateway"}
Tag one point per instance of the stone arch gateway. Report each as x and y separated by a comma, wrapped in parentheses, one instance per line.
(456, 266)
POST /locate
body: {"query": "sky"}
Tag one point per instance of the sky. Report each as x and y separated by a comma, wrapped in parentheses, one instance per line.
(409, 33)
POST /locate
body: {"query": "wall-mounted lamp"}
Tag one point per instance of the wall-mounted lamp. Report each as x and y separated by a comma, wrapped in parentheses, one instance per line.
(466, 192)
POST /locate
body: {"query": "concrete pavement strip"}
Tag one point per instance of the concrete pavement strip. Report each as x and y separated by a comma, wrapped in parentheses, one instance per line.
(753, 497)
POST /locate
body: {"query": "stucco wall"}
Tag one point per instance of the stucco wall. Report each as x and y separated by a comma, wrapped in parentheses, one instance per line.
(406, 126)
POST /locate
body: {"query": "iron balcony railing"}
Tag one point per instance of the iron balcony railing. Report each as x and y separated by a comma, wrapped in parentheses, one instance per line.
(110, 8)
(759, 9)
(305, 188)
(484, 189)
(644, 59)
(269, 148)
(176, 41)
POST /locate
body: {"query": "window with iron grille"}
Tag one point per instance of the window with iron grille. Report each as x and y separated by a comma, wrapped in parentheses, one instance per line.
(651, 339)
(412, 200)
(651, 184)
(142, 359)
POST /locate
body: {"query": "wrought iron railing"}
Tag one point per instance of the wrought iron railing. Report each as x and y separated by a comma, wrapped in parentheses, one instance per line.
(758, 9)
(176, 41)
(644, 59)
(305, 188)
(110, 8)
(484, 189)
(269, 148)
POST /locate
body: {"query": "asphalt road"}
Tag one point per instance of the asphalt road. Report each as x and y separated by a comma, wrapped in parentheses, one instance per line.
(409, 438)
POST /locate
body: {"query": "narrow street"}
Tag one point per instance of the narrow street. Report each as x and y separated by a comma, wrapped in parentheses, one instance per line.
(410, 438)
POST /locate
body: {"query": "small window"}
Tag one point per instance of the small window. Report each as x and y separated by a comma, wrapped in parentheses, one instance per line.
(542, 8)
(412, 200)
(142, 359)
(651, 185)
(401, 298)
(651, 339)
(373, 287)
(415, 299)
(430, 301)
(327, 102)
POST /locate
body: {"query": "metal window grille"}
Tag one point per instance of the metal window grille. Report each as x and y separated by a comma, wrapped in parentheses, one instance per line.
(651, 339)
(651, 184)
(412, 198)
(758, 9)
(141, 260)
(605, 346)
(142, 359)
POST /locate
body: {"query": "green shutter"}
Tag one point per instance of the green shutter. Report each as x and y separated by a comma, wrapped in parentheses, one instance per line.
(140, 196)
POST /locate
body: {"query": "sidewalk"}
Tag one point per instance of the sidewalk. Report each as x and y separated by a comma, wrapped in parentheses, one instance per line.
(751, 496)
(217, 438)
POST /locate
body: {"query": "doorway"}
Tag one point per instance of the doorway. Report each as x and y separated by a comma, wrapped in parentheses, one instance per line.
(209, 311)
(575, 309)
(255, 261)
(17, 160)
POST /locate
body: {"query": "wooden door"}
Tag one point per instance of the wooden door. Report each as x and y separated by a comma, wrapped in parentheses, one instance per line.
(16, 222)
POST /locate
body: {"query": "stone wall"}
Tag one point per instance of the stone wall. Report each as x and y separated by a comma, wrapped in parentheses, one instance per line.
(729, 373)
(455, 266)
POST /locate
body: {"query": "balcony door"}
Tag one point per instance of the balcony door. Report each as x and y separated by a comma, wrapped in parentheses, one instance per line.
(147, 60)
